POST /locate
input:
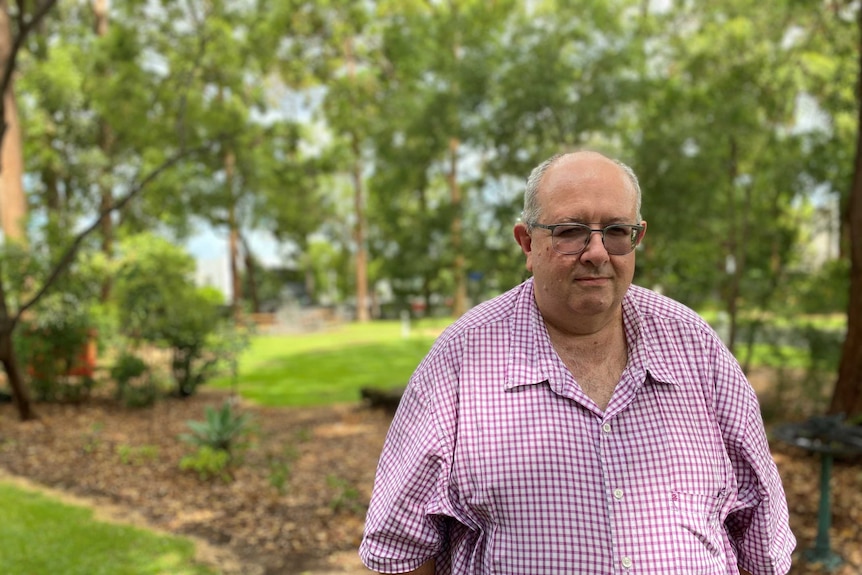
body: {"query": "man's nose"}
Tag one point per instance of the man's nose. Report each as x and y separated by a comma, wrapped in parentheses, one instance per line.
(595, 248)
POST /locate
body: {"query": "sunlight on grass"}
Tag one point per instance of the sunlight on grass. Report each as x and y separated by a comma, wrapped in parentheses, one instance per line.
(331, 366)
(41, 535)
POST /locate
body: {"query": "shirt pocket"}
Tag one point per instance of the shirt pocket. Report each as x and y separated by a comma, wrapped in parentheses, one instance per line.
(698, 520)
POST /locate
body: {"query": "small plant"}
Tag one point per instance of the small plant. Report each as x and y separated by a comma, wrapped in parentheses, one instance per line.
(93, 439)
(346, 496)
(130, 455)
(279, 469)
(222, 429)
(208, 463)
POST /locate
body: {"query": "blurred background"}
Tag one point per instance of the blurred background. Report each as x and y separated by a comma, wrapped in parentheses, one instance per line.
(182, 179)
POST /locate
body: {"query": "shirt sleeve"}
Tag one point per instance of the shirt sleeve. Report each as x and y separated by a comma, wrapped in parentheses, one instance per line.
(758, 523)
(403, 529)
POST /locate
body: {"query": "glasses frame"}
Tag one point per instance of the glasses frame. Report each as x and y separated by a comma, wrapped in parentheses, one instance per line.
(637, 230)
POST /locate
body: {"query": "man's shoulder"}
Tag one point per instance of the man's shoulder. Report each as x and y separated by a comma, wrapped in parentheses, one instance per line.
(650, 304)
(492, 311)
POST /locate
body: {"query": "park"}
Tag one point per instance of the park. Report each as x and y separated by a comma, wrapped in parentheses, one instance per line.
(357, 169)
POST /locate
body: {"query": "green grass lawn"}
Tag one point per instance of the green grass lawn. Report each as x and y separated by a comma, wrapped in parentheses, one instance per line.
(41, 536)
(331, 366)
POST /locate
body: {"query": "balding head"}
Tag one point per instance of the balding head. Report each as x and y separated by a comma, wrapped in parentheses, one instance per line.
(581, 160)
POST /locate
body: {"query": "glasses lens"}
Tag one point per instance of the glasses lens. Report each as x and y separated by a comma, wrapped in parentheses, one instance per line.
(619, 239)
(571, 239)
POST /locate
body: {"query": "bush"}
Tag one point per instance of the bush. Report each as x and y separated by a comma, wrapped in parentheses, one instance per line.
(136, 386)
(221, 430)
(158, 302)
(208, 463)
(53, 347)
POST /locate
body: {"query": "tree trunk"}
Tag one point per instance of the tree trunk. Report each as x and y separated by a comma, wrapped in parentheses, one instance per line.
(251, 274)
(20, 395)
(459, 301)
(362, 314)
(106, 139)
(233, 236)
(12, 212)
(847, 396)
(13, 204)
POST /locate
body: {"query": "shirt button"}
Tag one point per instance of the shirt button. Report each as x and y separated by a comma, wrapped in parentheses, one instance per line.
(627, 562)
(606, 427)
(618, 494)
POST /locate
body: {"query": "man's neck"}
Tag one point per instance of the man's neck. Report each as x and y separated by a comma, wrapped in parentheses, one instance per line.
(596, 359)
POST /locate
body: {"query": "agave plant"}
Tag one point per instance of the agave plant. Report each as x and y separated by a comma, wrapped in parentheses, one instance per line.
(222, 429)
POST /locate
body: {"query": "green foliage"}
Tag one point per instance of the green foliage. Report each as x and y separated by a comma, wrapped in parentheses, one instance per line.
(712, 104)
(193, 334)
(825, 291)
(280, 468)
(158, 302)
(52, 345)
(222, 429)
(41, 535)
(346, 496)
(137, 455)
(134, 380)
(92, 440)
(209, 463)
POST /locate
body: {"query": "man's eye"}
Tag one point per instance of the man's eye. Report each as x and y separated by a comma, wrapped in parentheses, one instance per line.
(618, 231)
(569, 231)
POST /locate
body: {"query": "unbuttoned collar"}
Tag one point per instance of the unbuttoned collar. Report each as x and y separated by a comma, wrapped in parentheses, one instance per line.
(532, 359)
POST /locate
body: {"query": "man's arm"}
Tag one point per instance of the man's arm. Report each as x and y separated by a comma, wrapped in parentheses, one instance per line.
(743, 572)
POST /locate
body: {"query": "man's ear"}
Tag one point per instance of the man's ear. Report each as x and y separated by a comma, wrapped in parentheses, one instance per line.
(522, 236)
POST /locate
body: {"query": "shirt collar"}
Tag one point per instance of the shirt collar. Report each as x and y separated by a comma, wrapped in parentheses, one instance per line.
(531, 356)
(646, 355)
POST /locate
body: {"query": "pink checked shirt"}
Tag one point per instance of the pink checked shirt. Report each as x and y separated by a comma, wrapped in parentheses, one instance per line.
(496, 462)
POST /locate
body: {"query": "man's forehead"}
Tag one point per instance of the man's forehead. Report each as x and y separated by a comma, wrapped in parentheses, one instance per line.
(585, 174)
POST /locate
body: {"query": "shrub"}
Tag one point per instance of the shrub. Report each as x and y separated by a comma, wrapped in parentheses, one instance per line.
(221, 430)
(53, 348)
(136, 386)
(131, 455)
(158, 301)
(208, 463)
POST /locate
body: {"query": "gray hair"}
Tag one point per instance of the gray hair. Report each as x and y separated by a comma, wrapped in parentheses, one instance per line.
(532, 211)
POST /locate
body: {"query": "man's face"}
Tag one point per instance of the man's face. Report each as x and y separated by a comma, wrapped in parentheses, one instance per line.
(579, 292)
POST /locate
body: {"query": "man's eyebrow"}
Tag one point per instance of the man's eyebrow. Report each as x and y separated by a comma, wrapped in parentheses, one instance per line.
(604, 222)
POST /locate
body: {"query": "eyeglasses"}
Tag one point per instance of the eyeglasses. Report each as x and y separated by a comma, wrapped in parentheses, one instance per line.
(572, 239)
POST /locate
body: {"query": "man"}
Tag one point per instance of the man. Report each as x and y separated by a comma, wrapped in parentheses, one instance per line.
(578, 424)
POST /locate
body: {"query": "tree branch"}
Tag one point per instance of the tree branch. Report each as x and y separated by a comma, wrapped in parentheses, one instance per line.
(70, 253)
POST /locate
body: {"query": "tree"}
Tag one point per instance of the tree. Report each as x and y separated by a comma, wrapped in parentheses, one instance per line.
(13, 203)
(847, 395)
(136, 172)
(23, 24)
(718, 156)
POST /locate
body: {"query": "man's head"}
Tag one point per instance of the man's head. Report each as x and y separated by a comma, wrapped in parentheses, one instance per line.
(532, 212)
(580, 292)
